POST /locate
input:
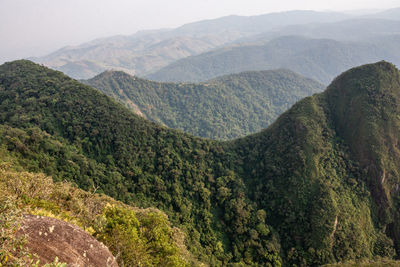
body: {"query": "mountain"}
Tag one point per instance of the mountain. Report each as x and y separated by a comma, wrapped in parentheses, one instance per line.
(393, 13)
(134, 54)
(72, 132)
(319, 59)
(330, 166)
(320, 185)
(260, 23)
(359, 29)
(223, 108)
(148, 51)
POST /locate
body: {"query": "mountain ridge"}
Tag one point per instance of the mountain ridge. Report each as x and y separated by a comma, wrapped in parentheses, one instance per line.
(319, 59)
(295, 193)
(319, 158)
(223, 108)
(145, 52)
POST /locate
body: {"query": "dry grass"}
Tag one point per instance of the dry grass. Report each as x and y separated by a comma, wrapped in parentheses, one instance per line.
(37, 194)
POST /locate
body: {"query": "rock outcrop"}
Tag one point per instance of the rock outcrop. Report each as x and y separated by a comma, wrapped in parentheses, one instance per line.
(50, 238)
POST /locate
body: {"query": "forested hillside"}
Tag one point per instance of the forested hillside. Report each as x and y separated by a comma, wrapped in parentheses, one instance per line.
(72, 132)
(133, 235)
(320, 185)
(224, 108)
(327, 170)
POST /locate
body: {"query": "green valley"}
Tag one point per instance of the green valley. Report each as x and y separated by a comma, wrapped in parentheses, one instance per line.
(224, 108)
(318, 186)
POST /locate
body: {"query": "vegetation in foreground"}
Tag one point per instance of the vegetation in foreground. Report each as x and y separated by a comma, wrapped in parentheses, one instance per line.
(318, 186)
(133, 235)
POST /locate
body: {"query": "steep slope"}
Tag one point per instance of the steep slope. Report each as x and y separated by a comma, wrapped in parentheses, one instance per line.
(372, 131)
(319, 59)
(73, 132)
(320, 185)
(224, 108)
(327, 170)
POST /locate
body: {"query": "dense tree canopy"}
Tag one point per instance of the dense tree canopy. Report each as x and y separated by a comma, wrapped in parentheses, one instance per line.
(224, 108)
(318, 186)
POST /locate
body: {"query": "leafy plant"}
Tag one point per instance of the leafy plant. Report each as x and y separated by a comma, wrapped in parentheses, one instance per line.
(318, 186)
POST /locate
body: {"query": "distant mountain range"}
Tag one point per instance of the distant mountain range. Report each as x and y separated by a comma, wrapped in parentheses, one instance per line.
(137, 54)
(319, 59)
(393, 13)
(307, 178)
(148, 51)
(224, 108)
(353, 30)
(261, 23)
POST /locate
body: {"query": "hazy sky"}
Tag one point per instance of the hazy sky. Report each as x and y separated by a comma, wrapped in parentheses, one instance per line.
(36, 27)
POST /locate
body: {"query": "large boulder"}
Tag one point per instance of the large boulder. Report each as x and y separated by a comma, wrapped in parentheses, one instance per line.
(50, 238)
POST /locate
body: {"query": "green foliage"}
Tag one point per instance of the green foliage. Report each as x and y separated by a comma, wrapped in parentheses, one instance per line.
(323, 207)
(11, 246)
(319, 186)
(223, 108)
(367, 263)
(145, 243)
(55, 263)
(136, 237)
(73, 132)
